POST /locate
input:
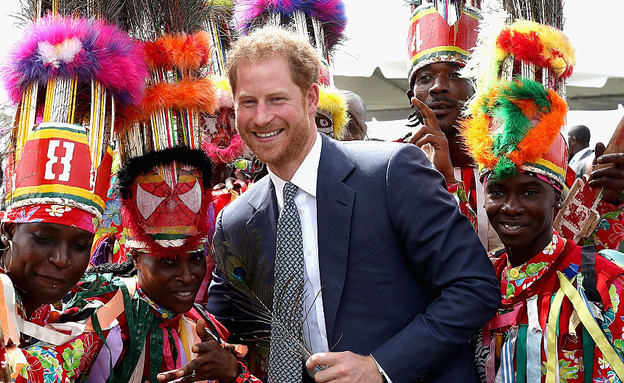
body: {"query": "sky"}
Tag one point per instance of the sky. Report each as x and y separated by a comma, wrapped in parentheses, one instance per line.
(377, 31)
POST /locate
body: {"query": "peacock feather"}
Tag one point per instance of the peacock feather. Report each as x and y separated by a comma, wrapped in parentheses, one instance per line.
(248, 274)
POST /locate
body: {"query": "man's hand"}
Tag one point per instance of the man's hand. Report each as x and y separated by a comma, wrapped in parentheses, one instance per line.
(212, 362)
(431, 134)
(345, 367)
(610, 177)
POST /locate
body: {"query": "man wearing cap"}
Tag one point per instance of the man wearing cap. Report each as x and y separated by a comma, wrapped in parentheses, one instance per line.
(440, 41)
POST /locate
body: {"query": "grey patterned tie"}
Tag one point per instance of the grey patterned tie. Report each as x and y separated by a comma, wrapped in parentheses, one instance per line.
(287, 331)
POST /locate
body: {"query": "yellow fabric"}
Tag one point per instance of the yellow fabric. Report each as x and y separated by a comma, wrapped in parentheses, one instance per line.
(608, 353)
(552, 363)
(71, 190)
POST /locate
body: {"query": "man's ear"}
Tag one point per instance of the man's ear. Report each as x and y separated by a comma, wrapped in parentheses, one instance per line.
(8, 229)
(410, 95)
(312, 98)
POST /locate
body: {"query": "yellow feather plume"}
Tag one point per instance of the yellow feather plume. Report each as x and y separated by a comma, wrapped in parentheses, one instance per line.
(334, 102)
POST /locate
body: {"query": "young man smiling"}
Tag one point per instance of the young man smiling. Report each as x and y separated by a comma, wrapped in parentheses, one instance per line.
(392, 285)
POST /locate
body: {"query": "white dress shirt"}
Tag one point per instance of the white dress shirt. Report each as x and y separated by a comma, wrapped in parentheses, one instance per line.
(314, 330)
(579, 161)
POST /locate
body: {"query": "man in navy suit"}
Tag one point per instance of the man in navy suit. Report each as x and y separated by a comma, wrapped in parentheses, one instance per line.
(397, 279)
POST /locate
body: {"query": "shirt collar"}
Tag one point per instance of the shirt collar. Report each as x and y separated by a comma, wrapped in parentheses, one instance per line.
(306, 175)
(581, 153)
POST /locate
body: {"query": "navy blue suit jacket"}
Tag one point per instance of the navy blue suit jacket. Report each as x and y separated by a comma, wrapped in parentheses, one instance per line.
(403, 274)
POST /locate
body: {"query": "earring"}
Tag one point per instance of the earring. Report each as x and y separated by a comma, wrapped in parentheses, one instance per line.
(559, 205)
(4, 238)
(10, 249)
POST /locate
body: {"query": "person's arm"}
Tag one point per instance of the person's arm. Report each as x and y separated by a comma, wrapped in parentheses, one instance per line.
(447, 257)
(609, 233)
(49, 363)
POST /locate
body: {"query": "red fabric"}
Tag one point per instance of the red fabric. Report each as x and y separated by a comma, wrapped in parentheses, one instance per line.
(570, 344)
(50, 213)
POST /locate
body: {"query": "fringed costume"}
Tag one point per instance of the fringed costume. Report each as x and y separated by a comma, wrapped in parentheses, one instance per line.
(164, 186)
(561, 318)
(69, 77)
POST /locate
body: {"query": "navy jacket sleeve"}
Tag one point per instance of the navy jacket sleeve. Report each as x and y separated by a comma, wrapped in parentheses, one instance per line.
(446, 257)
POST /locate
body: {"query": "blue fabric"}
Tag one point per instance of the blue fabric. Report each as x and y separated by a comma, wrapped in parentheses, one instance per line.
(404, 275)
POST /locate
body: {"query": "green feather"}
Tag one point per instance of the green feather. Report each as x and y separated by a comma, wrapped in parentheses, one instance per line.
(514, 125)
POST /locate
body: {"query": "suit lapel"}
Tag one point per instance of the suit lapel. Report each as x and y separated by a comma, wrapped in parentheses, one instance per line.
(334, 202)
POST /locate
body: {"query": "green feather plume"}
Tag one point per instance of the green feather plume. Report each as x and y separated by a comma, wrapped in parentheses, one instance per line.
(513, 124)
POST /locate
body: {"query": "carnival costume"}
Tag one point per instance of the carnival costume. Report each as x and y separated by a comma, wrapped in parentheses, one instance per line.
(164, 184)
(446, 32)
(68, 76)
(537, 334)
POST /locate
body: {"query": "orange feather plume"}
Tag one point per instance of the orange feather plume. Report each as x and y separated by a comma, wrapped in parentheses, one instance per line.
(182, 51)
(196, 95)
(540, 138)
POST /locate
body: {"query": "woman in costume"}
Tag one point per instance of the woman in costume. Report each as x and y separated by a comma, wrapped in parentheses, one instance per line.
(164, 336)
(547, 330)
(65, 78)
(164, 181)
(161, 328)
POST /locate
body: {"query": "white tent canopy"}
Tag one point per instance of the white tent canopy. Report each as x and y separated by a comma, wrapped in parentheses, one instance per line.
(373, 63)
(373, 60)
(376, 38)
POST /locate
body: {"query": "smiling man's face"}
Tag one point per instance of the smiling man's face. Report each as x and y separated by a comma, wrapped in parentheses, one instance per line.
(273, 115)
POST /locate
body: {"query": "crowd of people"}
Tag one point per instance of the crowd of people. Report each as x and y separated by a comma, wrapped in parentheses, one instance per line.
(241, 227)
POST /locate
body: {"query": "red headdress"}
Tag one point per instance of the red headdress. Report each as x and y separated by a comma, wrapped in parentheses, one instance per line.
(164, 176)
(68, 76)
(441, 31)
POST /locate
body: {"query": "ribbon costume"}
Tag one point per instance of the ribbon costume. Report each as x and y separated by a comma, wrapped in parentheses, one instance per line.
(69, 77)
(544, 330)
(164, 184)
(550, 327)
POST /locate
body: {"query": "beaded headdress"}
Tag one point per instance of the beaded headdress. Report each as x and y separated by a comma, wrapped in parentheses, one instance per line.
(69, 76)
(164, 178)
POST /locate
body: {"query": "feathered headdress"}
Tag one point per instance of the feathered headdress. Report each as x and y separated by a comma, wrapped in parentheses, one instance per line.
(165, 176)
(515, 126)
(332, 112)
(68, 75)
(323, 22)
(328, 16)
(538, 44)
(219, 24)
